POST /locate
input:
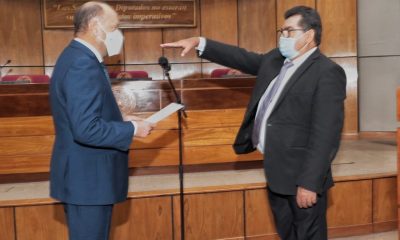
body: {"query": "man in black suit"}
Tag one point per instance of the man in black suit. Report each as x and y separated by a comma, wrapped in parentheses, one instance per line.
(294, 117)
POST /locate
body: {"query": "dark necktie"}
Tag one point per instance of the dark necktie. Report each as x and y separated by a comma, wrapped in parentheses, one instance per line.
(266, 102)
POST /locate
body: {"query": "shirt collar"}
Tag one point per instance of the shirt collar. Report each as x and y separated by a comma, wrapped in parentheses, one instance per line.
(91, 47)
(298, 61)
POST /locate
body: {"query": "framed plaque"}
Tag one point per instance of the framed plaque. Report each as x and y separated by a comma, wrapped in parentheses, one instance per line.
(132, 13)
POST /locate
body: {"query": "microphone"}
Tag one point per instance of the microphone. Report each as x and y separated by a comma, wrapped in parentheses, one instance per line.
(6, 63)
(2, 66)
(163, 62)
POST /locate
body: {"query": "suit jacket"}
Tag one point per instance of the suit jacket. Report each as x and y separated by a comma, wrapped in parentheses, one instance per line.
(304, 128)
(89, 163)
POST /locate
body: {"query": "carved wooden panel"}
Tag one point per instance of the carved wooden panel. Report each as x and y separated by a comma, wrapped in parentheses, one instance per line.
(45, 222)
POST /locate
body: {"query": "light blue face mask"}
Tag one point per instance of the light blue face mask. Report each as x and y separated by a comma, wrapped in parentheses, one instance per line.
(287, 47)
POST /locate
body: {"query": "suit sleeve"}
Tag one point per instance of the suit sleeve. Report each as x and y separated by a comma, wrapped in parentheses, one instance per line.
(232, 56)
(326, 127)
(84, 93)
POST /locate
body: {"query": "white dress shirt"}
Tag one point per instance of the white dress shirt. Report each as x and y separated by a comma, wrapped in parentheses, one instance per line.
(100, 59)
(289, 73)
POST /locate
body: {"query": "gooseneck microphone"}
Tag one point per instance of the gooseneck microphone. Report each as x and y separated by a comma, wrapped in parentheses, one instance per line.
(163, 62)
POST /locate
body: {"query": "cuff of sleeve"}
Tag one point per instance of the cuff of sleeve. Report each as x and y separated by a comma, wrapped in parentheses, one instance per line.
(134, 127)
(202, 45)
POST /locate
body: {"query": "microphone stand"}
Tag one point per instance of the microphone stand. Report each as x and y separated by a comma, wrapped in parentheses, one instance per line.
(181, 171)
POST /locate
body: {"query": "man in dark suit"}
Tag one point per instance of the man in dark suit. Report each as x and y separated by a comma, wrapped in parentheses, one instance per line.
(89, 165)
(294, 117)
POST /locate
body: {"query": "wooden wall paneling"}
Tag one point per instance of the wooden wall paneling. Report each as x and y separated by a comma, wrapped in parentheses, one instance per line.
(224, 82)
(20, 32)
(257, 25)
(351, 104)
(219, 20)
(216, 154)
(7, 227)
(209, 136)
(24, 89)
(168, 96)
(385, 204)
(339, 20)
(54, 42)
(216, 98)
(157, 139)
(21, 164)
(204, 119)
(211, 216)
(284, 5)
(144, 218)
(46, 222)
(155, 72)
(26, 145)
(175, 34)
(153, 157)
(176, 216)
(259, 218)
(24, 105)
(142, 46)
(26, 126)
(350, 208)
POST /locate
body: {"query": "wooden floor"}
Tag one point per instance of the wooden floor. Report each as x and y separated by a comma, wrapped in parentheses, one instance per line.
(392, 235)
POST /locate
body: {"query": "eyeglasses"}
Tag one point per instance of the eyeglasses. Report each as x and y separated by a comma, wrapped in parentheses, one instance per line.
(285, 32)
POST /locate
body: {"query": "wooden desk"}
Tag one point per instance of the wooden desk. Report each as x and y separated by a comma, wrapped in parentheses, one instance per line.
(215, 110)
(219, 204)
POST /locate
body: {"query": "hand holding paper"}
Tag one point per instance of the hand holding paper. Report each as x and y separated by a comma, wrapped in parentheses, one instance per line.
(164, 113)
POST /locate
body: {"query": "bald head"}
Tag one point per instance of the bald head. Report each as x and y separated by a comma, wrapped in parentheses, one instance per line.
(89, 11)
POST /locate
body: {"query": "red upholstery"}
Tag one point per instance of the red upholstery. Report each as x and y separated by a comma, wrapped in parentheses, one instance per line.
(30, 78)
(129, 74)
(219, 72)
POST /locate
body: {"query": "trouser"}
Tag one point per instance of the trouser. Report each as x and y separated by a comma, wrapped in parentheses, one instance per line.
(294, 223)
(88, 222)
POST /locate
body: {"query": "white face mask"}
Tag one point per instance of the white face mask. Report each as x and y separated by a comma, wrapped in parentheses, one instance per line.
(113, 42)
(287, 47)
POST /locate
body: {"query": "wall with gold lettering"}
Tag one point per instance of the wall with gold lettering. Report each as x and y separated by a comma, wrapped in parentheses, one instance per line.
(249, 24)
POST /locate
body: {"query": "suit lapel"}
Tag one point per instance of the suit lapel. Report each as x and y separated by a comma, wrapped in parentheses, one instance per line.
(296, 75)
(262, 83)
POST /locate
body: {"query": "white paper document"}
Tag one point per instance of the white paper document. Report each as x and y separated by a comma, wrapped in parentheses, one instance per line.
(164, 113)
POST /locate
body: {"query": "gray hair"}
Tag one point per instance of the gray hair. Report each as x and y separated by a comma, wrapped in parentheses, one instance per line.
(85, 13)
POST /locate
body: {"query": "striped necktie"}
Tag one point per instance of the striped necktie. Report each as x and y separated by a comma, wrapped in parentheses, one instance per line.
(266, 102)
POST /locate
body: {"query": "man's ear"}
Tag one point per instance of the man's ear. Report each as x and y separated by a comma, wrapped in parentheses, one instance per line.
(310, 35)
(93, 26)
